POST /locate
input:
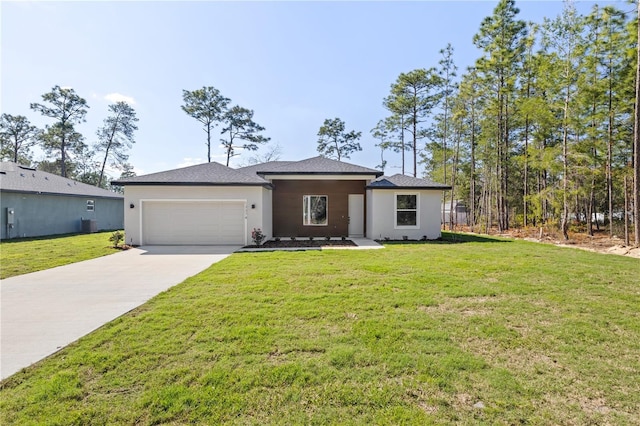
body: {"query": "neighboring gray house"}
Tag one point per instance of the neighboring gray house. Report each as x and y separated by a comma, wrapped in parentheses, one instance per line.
(316, 197)
(35, 203)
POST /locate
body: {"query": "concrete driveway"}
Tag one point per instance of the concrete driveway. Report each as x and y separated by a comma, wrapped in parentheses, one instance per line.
(44, 311)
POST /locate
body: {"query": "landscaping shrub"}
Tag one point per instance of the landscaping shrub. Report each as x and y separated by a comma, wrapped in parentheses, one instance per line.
(116, 238)
(257, 236)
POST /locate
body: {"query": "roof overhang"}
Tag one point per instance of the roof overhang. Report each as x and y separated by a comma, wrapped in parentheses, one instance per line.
(62, 194)
(411, 188)
(225, 184)
(319, 176)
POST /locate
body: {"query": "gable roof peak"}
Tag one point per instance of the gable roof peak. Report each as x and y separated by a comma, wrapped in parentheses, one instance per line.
(318, 165)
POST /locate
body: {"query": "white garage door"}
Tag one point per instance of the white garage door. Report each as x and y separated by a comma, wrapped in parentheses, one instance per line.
(193, 222)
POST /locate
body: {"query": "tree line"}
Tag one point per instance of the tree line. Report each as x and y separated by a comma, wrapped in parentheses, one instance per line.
(240, 133)
(68, 155)
(540, 130)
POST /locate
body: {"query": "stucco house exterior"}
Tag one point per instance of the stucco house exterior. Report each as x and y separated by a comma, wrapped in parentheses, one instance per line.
(320, 197)
(402, 206)
(35, 203)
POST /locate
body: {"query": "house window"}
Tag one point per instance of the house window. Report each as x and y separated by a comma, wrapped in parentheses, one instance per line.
(91, 206)
(314, 210)
(406, 210)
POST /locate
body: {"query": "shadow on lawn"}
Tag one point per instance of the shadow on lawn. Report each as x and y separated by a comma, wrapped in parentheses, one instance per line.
(450, 238)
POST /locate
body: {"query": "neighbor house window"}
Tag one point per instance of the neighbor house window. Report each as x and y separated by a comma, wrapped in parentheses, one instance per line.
(91, 205)
(314, 210)
(406, 210)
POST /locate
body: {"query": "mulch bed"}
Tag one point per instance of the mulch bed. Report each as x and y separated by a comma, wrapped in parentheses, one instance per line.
(301, 243)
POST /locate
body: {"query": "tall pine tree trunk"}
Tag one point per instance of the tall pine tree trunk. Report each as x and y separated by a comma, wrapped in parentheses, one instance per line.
(626, 213)
(499, 159)
(402, 140)
(444, 158)
(63, 154)
(208, 144)
(472, 180)
(505, 176)
(107, 149)
(453, 182)
(636, 146)
(525, 179)
(610, 155)
(591, 203)
(565, 168)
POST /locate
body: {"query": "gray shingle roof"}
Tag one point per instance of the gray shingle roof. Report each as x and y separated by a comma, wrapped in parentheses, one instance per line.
(317, 165)
(16, 178)
(399, 181)
(263, 167)
(213, 174)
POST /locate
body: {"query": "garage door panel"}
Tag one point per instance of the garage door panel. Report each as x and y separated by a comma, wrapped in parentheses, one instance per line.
(193, 222)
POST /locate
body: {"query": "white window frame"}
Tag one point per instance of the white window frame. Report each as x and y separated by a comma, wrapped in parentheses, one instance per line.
(91, 205)
(395, 210)
(305, 216)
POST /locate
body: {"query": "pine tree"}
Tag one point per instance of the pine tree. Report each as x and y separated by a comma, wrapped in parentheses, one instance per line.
(414, 95)
(17, 136)
(68, 109)
(116, 136)
(208, 106)
(501, 37)
(239, 126)
(335, 142)
(561, 36)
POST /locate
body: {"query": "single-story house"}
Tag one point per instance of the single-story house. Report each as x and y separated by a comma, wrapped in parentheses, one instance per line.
(317, 197)
(35, 203)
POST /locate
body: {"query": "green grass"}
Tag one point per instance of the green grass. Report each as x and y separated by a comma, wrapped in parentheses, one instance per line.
(24, 255)
(412, 334)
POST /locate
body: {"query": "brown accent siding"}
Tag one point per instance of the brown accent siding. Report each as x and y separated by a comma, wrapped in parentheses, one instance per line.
(287, 206)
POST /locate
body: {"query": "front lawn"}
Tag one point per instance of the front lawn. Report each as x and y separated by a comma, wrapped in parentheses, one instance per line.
(25, 255)
(487, 331)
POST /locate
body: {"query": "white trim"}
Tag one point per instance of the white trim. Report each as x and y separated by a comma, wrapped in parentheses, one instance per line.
(142, 201)
(326, 206)
(395, 210)
(319, 177)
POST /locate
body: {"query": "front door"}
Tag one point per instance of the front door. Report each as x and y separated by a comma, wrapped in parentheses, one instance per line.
(356, 215)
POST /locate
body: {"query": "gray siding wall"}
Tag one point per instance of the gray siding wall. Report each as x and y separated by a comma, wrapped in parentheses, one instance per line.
(38, 214)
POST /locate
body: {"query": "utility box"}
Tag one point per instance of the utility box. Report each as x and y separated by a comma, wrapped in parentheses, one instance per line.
(89, 226)
(11, 217)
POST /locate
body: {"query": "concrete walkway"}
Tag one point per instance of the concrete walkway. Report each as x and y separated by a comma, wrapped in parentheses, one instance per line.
(44, 311)
(366, 244)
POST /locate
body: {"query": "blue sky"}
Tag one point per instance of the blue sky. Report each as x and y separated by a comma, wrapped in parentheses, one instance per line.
(294, 63)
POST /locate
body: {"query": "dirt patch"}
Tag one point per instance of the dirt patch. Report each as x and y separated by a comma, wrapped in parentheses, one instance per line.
(599, 242)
